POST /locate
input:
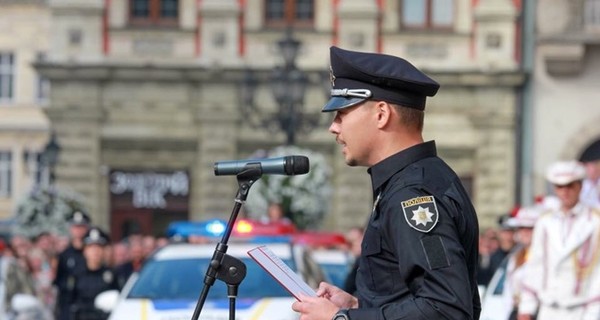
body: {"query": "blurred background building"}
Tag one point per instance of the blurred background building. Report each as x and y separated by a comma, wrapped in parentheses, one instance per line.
(24, 94)
(147, 94)
(565, 112)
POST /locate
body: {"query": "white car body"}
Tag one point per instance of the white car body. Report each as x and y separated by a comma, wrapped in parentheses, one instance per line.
(163, 289)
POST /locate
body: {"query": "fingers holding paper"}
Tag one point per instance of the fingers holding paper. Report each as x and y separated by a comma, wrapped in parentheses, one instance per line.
(330, 299)
(337, 296)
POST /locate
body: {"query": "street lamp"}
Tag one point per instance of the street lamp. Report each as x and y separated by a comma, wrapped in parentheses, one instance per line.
(288, 84)
(50, 157)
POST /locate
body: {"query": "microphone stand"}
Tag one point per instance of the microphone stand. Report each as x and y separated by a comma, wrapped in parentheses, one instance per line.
(222, 266)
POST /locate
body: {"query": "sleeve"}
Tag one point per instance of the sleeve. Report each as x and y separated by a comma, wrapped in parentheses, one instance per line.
(431, 261)
(434, 263)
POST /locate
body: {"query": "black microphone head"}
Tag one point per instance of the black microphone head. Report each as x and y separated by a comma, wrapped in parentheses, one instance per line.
(296, 165)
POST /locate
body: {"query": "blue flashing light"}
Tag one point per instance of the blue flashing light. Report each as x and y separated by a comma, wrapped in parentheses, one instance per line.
(216, 227)
(208, 228)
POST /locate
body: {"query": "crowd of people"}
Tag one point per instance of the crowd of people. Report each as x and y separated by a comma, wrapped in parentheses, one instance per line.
(66, 273)
(551, 249)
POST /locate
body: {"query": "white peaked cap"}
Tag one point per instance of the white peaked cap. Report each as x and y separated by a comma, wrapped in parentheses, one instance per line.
(564, 172)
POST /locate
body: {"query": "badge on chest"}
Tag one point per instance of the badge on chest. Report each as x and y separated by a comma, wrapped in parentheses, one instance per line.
(421, 213)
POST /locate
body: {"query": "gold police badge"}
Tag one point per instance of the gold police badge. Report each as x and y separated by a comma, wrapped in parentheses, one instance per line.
(421, 213)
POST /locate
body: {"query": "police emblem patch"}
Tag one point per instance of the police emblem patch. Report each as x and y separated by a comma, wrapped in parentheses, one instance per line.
(421, 213)
(107, 276)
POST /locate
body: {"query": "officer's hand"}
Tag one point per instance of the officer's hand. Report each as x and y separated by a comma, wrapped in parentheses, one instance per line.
(315, 308)
(337, 296)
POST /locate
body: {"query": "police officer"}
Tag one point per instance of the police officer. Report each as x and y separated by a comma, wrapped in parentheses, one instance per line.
(70, 262)
(95, 278)
(419, 251)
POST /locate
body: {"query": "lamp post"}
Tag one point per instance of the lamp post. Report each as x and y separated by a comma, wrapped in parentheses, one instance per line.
(50, 157)
(288, 84)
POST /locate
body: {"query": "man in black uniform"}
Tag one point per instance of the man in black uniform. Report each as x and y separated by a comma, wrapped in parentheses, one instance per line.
(70, 262)
(95, 278)
(419, 252)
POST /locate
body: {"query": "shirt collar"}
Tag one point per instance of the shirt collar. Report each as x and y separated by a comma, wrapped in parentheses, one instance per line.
(385, 169)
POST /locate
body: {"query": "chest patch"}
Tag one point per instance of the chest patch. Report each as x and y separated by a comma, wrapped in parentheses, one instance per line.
(421, 213)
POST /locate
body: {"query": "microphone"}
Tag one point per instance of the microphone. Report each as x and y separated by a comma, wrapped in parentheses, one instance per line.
(289, 166)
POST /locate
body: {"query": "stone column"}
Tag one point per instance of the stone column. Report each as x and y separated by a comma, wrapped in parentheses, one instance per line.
(495, 34)
(219, 31)
(358, 25)
(76, 30)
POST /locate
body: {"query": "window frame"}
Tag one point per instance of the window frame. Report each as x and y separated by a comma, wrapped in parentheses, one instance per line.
(428, 22)
(154, 18)
(42, 84)
(6, 173)
(7, 72)
(289, 16)
(591, 18)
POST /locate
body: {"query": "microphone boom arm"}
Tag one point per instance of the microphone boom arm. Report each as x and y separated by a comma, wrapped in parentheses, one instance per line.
(222, 266)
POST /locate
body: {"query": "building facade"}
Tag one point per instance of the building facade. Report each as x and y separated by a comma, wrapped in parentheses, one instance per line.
(147, 95)
(24, 92)
(564, 112)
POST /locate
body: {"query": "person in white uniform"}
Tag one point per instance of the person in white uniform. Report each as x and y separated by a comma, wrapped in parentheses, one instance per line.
(563, 268)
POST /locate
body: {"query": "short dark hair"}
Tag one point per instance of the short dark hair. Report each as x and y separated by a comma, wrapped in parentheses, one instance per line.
(411, 117)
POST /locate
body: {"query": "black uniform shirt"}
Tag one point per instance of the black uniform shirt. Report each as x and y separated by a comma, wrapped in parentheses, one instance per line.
(70, 261)
(419, 252)
(90, 283)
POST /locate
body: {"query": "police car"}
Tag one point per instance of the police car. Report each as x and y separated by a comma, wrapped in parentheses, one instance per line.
(169, 284)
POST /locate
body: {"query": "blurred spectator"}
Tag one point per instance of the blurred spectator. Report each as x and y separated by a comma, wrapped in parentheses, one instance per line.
(149, 245)
(275, 213)
(134, 264)
(20, 245)
(506, 242)
(354, 238)
(61, 243)
(562, 275)
(488, 244)
(523, 223)
(70, 262)
(42, 277)
(161, 242)
(45, 242)
(120, 254)
(590, 191)
(13, 280)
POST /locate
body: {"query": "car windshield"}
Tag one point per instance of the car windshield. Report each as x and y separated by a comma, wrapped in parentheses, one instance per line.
(183, 279)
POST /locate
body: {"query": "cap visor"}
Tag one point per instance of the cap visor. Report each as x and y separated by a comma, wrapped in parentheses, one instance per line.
(337, 103)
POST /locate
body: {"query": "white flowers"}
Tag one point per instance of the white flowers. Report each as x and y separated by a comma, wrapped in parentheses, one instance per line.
(45, 210)
(305, 198)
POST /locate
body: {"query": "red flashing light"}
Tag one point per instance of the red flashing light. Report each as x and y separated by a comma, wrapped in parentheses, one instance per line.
(320, 239)
(246, 227)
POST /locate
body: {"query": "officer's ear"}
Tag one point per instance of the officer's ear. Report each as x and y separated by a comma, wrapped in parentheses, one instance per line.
(384, 112)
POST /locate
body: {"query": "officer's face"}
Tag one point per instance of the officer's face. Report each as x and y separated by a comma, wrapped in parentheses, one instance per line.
(94, 255)
(354, 129)
(568, 194)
